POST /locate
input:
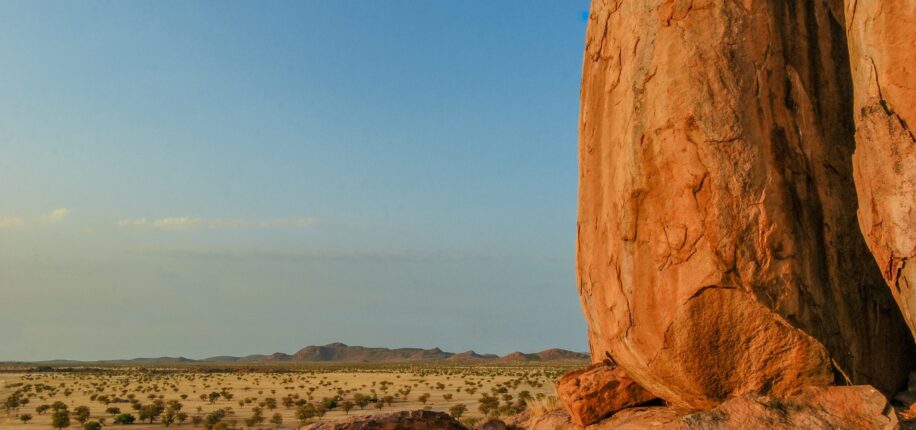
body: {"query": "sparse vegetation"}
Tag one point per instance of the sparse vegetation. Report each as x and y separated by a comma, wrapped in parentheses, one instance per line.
(260, 398)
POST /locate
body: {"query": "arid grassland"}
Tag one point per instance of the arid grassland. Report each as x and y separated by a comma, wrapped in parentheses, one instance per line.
(188, 397)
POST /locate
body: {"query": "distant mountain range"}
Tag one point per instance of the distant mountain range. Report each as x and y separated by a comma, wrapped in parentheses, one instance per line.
(342, 353)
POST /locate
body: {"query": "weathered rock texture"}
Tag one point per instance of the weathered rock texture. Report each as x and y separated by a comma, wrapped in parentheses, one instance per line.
(719, 251)
(405, 420)
(882, 47)
(598, 391)
(852, 408)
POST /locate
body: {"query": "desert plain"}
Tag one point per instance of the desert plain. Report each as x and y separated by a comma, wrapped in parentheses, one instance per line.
(273, 397)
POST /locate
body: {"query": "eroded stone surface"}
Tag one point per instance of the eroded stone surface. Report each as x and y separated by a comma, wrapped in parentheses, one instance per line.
(841, 408)
(718, 250)
(882, 47)
(598, 391)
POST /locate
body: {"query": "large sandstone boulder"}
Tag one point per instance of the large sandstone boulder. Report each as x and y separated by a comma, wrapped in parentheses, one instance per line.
(718, 251)
(598, 391)
(404, 420)
(882, 48)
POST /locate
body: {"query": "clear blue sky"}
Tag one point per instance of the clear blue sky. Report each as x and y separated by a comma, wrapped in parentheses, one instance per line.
(202, 178)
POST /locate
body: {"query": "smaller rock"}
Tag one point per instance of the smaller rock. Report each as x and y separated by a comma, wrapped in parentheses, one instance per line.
(404, 420)
(495, 424)
(598, 391)
(909, 414)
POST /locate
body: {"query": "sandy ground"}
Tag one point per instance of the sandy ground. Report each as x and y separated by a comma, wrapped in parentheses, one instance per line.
(465, 383)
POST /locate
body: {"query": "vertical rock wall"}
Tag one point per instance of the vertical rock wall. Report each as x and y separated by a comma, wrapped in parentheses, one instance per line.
(882, 47)
(718, 247)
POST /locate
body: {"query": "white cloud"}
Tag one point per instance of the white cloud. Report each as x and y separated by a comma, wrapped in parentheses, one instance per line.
(187, 223)
(302, 222)
(10, 222)
(57, 215)
(404, 255)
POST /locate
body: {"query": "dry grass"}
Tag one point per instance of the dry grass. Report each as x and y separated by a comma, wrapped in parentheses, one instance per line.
(540, 407)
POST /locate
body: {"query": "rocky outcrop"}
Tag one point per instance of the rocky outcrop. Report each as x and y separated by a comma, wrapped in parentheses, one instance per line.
(852, 408)
(840, 408)
(719, 252)
(882, 48)
(405, 420)
(598, 391)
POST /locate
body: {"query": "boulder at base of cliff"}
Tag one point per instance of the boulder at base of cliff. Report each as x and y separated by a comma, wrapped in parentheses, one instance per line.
(404, 420)
(598, 391)
(853, 408)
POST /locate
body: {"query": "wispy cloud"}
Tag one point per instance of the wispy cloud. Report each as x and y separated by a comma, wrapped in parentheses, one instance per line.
(188, 223)
(53, 217)
(325, 255)
(10, 222)
(57, 215)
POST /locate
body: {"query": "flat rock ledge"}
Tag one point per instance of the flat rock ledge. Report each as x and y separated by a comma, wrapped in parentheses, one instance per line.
(841, 408)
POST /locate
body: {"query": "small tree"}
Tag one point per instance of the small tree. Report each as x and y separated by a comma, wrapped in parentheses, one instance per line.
(124, 419)
(305, 413)
(361, 400)
(168, 418)
(113, 411)
(251, 422)
(257, 417)
(81, 414)
(150, 412)
(92, 425)
(42, 409)
(25, 418)
(12, 403)
(214, 418)
(276, 420)
(346, 405)
(457, 410)
(60, 419)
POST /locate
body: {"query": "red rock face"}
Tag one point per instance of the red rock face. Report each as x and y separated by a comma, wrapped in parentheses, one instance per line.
(882, 47)
(599, 391)
(718, 250)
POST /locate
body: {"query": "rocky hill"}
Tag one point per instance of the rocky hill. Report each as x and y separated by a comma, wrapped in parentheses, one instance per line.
(342, 353)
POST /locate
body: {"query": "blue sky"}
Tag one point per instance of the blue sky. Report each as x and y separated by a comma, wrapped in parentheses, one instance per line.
(204, 178)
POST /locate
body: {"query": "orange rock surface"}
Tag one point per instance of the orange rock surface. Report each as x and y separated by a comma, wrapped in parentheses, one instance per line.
(599, 391)
(882, 47)
(719, 251)
(838, 408)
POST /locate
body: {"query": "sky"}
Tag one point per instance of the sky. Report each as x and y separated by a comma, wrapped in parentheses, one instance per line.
(193, 178)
